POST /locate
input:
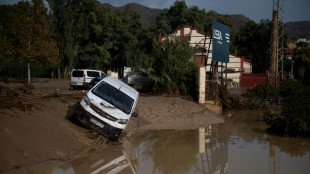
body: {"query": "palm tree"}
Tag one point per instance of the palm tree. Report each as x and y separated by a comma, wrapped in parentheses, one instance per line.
(301, 56)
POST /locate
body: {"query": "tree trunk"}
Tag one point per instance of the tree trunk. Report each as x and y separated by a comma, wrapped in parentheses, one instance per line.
(301, 71)
(52, 74)
(28, 81)
(65, 73)
(59, 75)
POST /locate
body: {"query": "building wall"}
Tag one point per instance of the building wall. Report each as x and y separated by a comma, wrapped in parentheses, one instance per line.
(237, 64)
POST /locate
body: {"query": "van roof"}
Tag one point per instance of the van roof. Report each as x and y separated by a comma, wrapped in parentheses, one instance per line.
(85, 70)
(122, 86)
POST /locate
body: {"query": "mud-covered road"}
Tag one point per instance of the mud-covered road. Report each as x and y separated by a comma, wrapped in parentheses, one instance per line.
(35, 130)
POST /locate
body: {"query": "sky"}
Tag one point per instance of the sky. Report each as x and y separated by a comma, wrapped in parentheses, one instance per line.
(294, 10)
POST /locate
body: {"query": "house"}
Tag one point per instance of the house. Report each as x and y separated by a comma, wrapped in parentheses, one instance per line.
(236, 66)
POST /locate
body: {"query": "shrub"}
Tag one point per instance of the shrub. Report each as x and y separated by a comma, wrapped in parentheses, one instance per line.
(294, 119)
(263, 91)
(173, 68)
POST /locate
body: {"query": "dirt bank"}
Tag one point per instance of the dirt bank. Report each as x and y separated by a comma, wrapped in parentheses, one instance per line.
(42, 133)
(164, 112)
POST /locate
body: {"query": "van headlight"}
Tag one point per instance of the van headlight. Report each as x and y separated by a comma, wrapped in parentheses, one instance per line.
(86, 99)
(122, 121)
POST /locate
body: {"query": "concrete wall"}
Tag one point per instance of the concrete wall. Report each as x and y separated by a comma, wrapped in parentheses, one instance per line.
(201, 84)
(113, 74)
(250, 80)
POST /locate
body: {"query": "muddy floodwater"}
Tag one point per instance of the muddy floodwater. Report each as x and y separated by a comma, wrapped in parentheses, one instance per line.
(238, 146)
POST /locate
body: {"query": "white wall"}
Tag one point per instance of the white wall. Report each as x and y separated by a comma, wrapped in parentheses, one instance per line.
(197, 39)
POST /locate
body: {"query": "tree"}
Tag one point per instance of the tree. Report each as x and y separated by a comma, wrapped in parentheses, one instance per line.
(179, 15)
(253, 41)
(89, 34)
(301, 56)
(173, 68)
(28, 37)
(100, 37)
(213, 15)
(63, 28)
(132, 50)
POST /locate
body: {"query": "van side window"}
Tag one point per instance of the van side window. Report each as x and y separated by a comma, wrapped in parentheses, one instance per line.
(93, 73)
(77, 74)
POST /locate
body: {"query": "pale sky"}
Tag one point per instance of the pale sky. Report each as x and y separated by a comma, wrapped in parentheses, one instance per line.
(294, 10)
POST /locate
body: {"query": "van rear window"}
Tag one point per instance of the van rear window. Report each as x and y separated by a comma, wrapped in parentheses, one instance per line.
(77, 74)
(93, 74)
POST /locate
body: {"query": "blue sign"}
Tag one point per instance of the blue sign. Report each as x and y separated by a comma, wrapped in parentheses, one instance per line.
(220, 42)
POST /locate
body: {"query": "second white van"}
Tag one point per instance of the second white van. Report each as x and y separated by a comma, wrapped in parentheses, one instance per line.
(82, 77)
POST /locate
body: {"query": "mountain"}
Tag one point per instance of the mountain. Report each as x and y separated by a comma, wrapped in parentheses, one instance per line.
(238, 20)
(297, 30)
(148, 15)
(294, 30)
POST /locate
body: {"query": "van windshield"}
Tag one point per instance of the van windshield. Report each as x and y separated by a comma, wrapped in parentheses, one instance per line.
(114, 96)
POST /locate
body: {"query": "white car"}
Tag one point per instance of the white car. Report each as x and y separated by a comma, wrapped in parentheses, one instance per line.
(108, 106)
(82, 77)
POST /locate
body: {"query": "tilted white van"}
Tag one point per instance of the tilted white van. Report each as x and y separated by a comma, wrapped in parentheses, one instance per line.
(108, 106)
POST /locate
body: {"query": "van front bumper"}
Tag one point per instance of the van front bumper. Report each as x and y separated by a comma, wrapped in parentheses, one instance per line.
(96, 124)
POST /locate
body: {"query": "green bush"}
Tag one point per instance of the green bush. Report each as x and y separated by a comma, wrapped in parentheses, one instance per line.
(262, 91)
(173, 68)
(278, 122)
(294, 119)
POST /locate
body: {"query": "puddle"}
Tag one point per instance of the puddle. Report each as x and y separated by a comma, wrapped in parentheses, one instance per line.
(240, 145)
(118, 158)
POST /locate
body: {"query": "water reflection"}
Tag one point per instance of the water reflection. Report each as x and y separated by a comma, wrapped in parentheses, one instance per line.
(258, 152)
(188, 151)
(240, 145)
(168, 152)
(116, 159)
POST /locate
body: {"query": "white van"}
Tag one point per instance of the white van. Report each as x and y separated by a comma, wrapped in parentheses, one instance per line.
(82, 77)
(108, 106)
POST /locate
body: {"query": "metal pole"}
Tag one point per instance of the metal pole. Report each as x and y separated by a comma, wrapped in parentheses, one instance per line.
(222, 74)
(217, 82)
(226, 75)
(202, 49)
(273, 59)
(207, 56)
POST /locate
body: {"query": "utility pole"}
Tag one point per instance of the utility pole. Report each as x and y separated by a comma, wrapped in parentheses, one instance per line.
(273, 59)
(277, 46)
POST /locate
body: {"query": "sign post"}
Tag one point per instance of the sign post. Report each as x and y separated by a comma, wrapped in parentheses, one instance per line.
(220, 46)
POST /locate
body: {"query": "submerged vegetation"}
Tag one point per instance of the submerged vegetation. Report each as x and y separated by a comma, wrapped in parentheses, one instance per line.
(262, 91)
(293, 118)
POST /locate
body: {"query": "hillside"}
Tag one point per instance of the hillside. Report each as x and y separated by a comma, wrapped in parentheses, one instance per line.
(148, 15)
(238, 20)
(294, 30)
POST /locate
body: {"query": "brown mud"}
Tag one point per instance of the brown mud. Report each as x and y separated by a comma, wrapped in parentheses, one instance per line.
(34, 128)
